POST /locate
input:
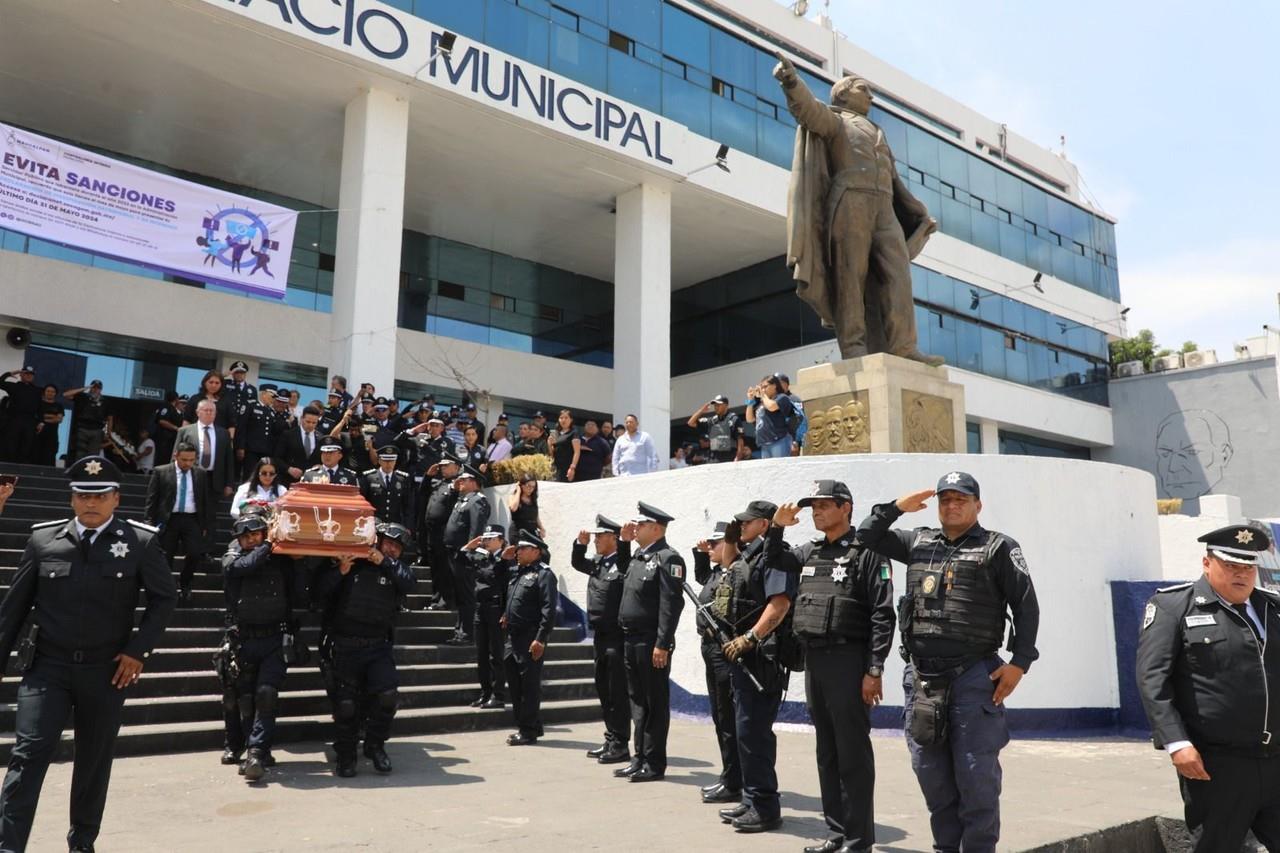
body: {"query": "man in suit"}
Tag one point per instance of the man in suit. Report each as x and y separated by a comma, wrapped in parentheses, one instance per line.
(298, 447)
(215, 452)
(178, 503)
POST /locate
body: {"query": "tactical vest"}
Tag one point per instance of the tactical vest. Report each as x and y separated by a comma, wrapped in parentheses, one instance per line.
(739, 597)
(721, 435)
(370, 598)
(264, 595)
(827, 608)
(954, 592)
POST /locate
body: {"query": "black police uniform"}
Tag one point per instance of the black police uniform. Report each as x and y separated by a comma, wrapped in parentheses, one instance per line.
(360, 670)
(90, 417)
(953, 617)
(423, 451)
(1206, 674)
(530, 615)
(391, 495)
(722, 435)
(243, 394)
(844, 616)
(652, 600)
(437, 498)
(604, 597)
(492, 575)
(751, 581)
(21, 408)
(82, 593)
(261, 584)
(257, 430)
(336, 476)
(719, 681)
(165, 437)
(468, 519)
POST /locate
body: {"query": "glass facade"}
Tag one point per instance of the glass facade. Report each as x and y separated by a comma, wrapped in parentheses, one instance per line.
(660, 57)
(1017, 444)
(754, 312)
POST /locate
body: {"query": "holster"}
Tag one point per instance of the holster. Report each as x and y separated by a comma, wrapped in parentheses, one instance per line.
(27, 648)
(906, 612)
(927, 717)
(225, 663)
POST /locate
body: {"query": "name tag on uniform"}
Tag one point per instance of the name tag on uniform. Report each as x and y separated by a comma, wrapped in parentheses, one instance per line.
(808, 571)
(1198, 621)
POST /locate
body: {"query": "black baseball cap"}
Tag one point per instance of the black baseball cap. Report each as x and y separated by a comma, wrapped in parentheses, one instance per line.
(828, 489)
(757, 509)
(959, 481)
(720, 399)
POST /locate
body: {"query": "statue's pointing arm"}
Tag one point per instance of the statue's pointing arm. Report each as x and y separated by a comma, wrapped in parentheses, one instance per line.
(811, 113)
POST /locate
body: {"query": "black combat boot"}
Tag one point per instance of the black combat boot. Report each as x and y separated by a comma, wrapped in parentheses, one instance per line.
(378, 755)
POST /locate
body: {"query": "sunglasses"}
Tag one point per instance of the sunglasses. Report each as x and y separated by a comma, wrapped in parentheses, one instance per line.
(269, 471)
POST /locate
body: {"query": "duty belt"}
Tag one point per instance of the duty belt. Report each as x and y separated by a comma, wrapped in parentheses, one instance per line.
(359, 642)
(829, 642)
(944, 669)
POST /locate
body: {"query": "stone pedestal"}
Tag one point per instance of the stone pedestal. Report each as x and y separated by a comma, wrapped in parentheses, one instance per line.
(881, 404)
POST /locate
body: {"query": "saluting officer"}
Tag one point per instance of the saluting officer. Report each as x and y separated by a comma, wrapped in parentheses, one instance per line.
(652, 599)
(1205, 672)
(962, 580)
(333, 412)
(81, 578)
(492, 572)
(389, 491)
(260, 586)
(709, 570)
(437, 497)
(468, 519)
(607, 570)
(257, 430)
(844, 617)
(428, 445)
(330, 470)
(529, 618)
(360, 595)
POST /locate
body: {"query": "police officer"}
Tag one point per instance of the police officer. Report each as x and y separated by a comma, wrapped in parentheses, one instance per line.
(386, 425)
(467, 520)
(844, 617)
(755, 597)
(437, 497)
(607, 569)
(962, 580)
(331, 470)
(359, 595)
(79, 580)
(529, 617)
(723, 429)
(257, 429)
(428, 445)
(242, 393)
(260, 586)
(1205, 672)
(389, 491)
(652, 598)
(333, 412)
(708, 571)
(492, 572)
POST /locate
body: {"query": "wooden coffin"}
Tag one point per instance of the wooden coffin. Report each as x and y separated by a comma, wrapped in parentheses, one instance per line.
(322, 520)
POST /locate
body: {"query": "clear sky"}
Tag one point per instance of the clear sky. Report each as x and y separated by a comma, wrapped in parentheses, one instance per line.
(1169, 110)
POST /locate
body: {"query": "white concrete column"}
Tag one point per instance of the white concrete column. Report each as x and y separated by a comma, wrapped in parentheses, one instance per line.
(642, 313)
(990, 431)
(366, 278)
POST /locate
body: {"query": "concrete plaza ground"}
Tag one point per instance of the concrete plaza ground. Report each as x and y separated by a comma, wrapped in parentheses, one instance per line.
(470, 792)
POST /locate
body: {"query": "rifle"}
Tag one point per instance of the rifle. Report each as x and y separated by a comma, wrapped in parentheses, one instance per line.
(717, 628)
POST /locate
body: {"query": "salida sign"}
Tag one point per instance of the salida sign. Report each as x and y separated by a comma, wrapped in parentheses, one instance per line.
(365, 27)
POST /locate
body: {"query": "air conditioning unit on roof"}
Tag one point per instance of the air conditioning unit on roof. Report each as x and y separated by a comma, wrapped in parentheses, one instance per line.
(1130, 368)
(1200, 358)
(1168, 362)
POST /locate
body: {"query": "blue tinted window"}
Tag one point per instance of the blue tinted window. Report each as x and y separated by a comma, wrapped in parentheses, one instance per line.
(579, 57)
(922, 150)
(982, 179)
(986, 232)
(732, 60)
(595, 10)
(639, 19)
(685, 37)
(973, 437)
(516, 31)
(969, 347)
(955, 218)
(775, 142)
(733, 125)
(1013, 242)
(686, 103)
(463, 18)
(992, 352)
(953, 165)
(635, 81)
(1008, 192)
(924, 328)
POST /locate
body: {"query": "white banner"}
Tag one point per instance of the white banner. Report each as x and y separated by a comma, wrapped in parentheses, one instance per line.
(67, 195)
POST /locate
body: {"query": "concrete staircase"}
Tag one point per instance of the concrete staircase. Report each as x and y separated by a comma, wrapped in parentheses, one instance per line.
(176, 706)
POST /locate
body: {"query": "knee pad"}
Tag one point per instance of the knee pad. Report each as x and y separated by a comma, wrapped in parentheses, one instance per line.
(265, 697)
(387, 700)
(344, 709)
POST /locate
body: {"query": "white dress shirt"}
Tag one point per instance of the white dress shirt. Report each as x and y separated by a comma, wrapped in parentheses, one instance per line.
(634, 454)
(178, 476)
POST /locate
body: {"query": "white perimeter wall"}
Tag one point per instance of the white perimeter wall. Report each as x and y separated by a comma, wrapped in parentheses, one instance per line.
(1080, 524)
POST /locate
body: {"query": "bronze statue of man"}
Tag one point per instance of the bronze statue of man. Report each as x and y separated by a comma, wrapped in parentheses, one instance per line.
(853, 227)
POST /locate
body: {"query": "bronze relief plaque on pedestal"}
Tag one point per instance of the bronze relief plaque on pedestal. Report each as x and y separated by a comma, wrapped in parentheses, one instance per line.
(926, 423)
(839, 428)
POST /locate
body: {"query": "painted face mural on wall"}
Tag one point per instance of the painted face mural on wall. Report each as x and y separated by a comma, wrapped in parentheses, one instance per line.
(1193, 450)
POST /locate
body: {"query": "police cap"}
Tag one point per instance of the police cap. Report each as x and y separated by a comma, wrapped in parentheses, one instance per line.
(468, 472)
(606, 525)
(1237, 543)
(494, 531)
(239, 367)
(827, 489)
(757, 509)
(959, 481)
(94, 475)
(717, 535)
(649, 512)
(331, 447)
(526, 539)
(388, 452)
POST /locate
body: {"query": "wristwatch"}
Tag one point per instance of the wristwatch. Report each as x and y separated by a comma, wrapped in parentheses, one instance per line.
(875, 671)
(752, 638)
